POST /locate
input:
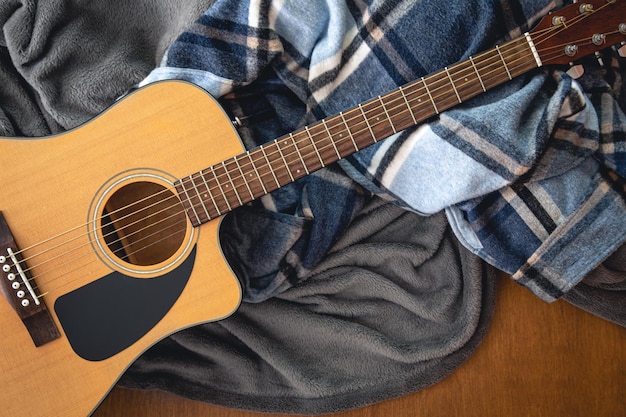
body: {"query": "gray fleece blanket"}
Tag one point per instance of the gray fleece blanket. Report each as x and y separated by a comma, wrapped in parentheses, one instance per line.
(396, 305)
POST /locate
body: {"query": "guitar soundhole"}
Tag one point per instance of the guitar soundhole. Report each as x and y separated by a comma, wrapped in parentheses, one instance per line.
(143, 223)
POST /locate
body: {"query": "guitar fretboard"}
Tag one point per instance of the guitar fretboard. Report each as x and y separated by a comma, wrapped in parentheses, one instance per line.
(218, 189)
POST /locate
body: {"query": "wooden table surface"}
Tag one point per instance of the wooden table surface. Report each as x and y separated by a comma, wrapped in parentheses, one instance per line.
(537, 359)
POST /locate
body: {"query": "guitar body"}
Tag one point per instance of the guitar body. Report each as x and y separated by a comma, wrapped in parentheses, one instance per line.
(60, 196)
(100, 253)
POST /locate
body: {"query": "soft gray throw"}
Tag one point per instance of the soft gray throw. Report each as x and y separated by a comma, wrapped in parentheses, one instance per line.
(395, 306)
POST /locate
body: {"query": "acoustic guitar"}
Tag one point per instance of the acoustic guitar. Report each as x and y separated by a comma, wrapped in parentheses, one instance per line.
(101, 249)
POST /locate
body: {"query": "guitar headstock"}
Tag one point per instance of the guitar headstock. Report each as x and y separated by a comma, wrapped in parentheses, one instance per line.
(579, 30)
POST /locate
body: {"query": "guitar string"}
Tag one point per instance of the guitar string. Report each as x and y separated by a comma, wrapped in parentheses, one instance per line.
(225, 197)
(536, 40)
(288, 155)
(549, 29)
(390, 121)
(143, 208)
(156, 214)
(177, 203)
(89, 244)
(93, 260)
(385, 109)
(234, 179)
(269, 155)
(157, 241)
(279, 155)
(283, 159)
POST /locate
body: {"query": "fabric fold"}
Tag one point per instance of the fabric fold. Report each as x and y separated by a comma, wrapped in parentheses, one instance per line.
(396, 306)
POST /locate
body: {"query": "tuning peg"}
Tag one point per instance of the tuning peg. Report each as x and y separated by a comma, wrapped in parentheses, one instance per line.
(598, 56)
(585, 8)
(575, 71)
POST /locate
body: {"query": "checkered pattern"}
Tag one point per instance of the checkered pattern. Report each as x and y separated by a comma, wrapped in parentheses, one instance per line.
(530, 174)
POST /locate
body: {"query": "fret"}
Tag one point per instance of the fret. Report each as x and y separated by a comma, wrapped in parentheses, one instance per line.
(331, 139)
(400, 116)
(371, 113)
(263, 170)
(190, 201)
(309, 151)
(336, 128)
(280, 168)
(210, 194)
(285, 162)
(523, 54)
(368, 124)
(504, 62)
(193, 181)
(243, 178)
(467, 83)
(477, 74)
(306, 129)
(330, 136)
(382, 103)
(295, 145)
(421, 107)
(269, 165)
(232, 184)
(326, 146)
(196, 196)
(378, 120)
(256, 171)
(345, 123)
(453, 86)
(219, 185)
(290, 152)
(489, 66)
(430, 96)
(408, 106)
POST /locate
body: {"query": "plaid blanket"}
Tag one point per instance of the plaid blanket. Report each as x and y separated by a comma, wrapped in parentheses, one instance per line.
(530, 174)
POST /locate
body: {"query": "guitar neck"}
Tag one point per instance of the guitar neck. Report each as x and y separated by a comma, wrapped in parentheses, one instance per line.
(570, 33)
(218, 189)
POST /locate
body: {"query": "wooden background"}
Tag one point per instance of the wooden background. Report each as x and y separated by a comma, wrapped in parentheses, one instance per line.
(537, 359)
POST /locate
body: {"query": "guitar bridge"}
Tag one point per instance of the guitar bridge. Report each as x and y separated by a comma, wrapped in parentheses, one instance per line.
(19, 289)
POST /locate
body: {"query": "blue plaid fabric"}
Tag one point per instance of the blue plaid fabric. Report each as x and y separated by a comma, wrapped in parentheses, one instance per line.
(530, 174)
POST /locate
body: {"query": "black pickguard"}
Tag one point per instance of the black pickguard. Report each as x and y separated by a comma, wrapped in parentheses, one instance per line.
(106, 316)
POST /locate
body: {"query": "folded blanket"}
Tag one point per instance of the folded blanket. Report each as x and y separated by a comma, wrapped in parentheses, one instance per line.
(603, 291)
